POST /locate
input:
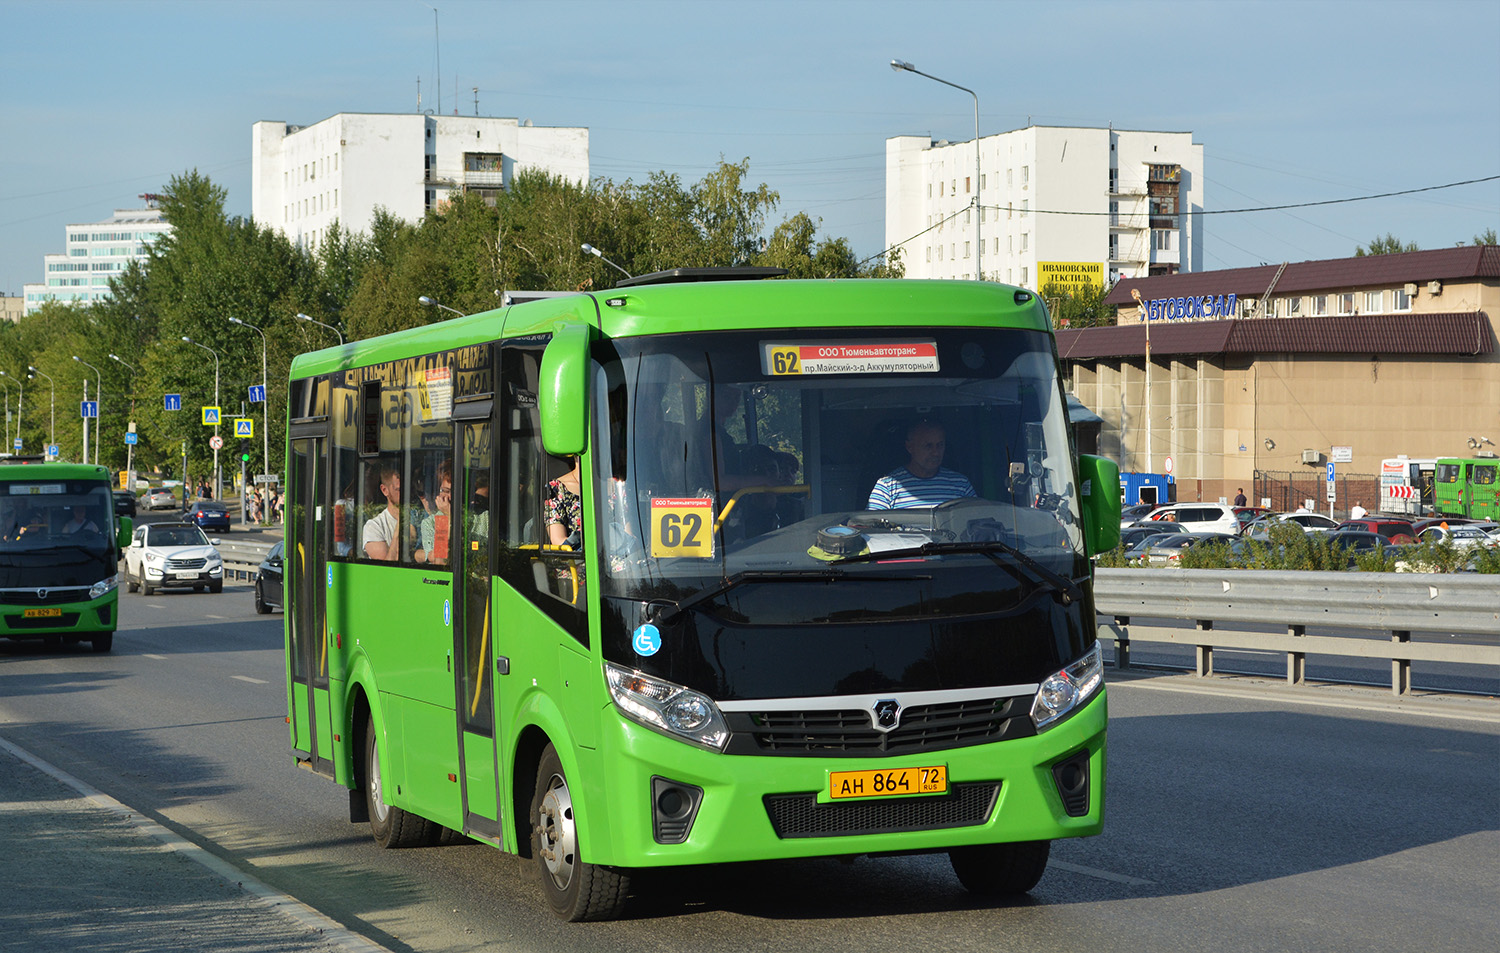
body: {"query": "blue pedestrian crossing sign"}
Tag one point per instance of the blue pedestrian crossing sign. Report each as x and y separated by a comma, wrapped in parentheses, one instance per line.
(172, 401)
(210, 416)
(88, 408)
(257, 394)
(244, 427)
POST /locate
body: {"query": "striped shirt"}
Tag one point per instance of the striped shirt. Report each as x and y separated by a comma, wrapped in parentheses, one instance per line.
(901, 489)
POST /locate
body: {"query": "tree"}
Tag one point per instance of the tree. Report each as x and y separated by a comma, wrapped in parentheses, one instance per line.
(1078, 307)
(1486, 237)
(1389, 245)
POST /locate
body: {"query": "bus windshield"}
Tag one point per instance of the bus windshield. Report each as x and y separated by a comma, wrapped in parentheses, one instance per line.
(742, 455)
(54, 532)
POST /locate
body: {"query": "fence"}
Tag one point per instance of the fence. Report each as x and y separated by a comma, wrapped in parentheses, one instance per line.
(1449, 604)
(1287, 489)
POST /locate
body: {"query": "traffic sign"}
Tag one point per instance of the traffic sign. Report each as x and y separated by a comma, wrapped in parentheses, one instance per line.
(172, 401)
(210, 416)
(244, 427)
(1167, 465)
(1332, 494)
(216, 441)
(257, 394)
(53, 450)
(130, 438)
(18, 443)
(88, 408)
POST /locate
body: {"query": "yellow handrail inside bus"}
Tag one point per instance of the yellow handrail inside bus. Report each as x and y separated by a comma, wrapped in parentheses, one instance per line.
(800, 489)
(479, 666)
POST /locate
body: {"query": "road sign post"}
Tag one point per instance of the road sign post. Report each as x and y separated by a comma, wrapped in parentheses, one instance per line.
(1332, 489)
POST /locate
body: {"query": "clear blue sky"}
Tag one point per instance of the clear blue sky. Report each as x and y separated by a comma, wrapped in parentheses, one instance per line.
(1293, 102)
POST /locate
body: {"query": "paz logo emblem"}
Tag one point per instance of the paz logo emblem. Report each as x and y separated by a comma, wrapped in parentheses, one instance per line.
(41, 595)
(887, 713)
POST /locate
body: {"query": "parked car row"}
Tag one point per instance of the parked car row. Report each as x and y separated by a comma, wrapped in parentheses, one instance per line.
(1257, 523)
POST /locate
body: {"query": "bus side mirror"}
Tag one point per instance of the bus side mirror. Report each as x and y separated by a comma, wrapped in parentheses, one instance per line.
(563, 397)
(123, 529)
(1099, 502)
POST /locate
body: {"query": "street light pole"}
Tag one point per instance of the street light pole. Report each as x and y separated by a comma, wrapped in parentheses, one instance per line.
(902, 65)
(433, 303)
(265, 386)
(52, 432)
(218, 477)
(20, 404)
(129, 447)
(1146, 320)
(99, 407)
(303, 317)
(7, 413)
(591, 250)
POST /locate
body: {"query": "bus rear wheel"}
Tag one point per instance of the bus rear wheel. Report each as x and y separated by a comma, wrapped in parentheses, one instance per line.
(575, 890)
(1000, 869)
(390, 826)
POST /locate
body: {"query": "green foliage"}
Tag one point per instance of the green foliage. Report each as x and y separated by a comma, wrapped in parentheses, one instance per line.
(1083, 308)
(463, 253)
(1486, 237)
(1389, 245)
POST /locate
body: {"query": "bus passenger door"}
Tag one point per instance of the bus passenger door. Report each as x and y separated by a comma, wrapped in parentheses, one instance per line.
(474, 643)
(306, 618)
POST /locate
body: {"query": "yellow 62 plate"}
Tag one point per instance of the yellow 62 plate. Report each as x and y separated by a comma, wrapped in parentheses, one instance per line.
(892, 783)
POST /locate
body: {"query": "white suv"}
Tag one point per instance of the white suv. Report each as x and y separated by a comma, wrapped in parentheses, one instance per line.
(1194, 518)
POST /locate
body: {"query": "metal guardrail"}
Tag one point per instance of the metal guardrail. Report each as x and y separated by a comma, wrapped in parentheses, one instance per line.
(242, 559)
(1400, 603)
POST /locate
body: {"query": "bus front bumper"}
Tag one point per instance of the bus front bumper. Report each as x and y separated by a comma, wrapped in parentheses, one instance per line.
(665, 802)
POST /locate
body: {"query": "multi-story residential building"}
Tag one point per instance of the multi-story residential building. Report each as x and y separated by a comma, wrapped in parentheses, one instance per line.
(305, 178)
(96, 253)
(12, 307)
(1055, 204)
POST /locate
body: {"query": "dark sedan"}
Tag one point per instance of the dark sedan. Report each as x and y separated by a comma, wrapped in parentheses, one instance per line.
(124, 503)
(268, 582)
(208, 515)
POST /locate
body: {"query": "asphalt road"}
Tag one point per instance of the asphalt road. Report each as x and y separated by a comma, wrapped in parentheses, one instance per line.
(1242, 816)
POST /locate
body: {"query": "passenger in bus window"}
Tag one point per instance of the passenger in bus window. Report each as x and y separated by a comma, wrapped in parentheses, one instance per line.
(343, 522)
(436, 528)
(562, 510)
(924, 481)
(380, 537)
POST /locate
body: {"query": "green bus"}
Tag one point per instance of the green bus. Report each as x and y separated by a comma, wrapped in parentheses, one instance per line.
(59, 553)
(667, 575)
(1467, 488)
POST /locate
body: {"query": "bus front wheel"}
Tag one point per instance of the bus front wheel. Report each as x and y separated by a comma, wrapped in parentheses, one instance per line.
(391, 826)
(1000, 869)
(575, 890)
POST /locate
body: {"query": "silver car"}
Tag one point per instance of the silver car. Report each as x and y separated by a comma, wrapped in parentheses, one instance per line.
(159, 498)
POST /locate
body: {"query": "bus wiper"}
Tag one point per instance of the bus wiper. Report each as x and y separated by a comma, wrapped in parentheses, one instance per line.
(991, 548)
(667, 611)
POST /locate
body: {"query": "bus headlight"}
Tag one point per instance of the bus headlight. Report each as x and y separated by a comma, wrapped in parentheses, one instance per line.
(1063, 691)
(103, 586)
(667, 707)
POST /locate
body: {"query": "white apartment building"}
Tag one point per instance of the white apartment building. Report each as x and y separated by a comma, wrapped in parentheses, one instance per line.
(1055, 203)
(95, 253)
(305, 178)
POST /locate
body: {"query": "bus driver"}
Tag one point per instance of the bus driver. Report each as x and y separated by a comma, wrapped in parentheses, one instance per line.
(924, 481)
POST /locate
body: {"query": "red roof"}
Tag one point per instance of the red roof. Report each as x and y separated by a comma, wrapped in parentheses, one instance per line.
(1466, 333)
(1337, 274)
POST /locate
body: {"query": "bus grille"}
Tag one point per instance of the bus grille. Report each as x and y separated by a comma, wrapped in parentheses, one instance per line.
(66, 620)
(800, 815)
(30, 597)
(850, 731)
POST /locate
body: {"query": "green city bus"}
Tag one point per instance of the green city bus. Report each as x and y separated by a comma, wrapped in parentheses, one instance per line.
(59, 552)
(724, 645)
(1467, 488)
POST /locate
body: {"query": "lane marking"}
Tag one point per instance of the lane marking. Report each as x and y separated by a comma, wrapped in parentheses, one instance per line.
(252, 681)
(1267, 695)
(220, 617)
(285, 904)
(159, 658)
(1101, 874)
